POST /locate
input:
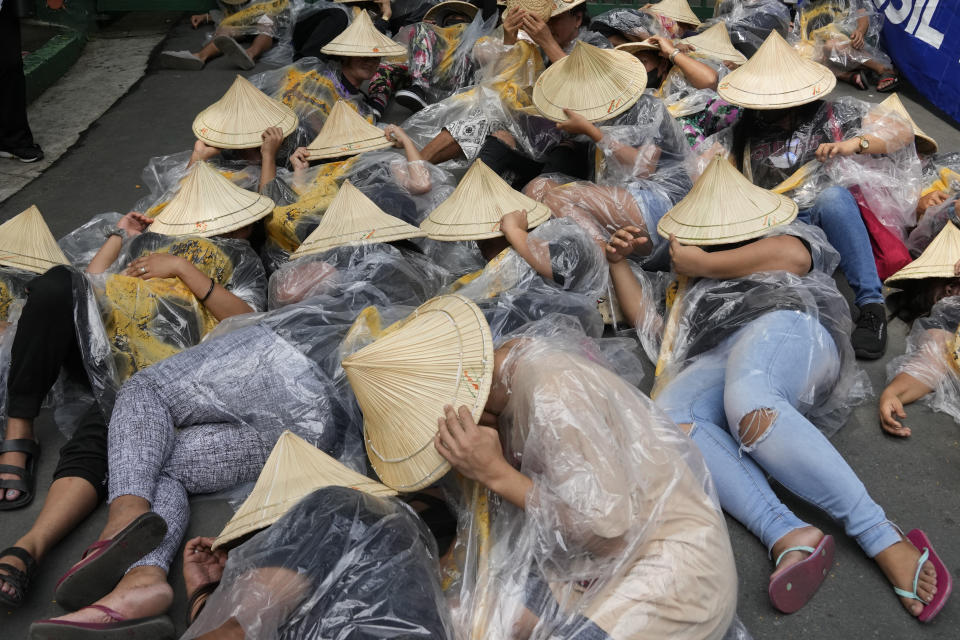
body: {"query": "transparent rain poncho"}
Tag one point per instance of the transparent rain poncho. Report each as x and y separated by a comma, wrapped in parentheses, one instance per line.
(273, 18)
(822, 29)
(399, 271)
(621, 530)
(13, 295)
(715, 310)
(125, 324)
(632, 24)
(577, 263)
(889, 184)
(749, 22)
(340, 564)
(932, 356)
(931, 224)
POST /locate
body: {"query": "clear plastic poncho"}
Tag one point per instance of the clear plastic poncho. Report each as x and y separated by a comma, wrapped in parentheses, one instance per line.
(932, 356)
(749, 22)
(632, 24)
(340, 564)
(714, 310)
(13, 295)
(621, 532)
(273, 18)
(125, 324)
(822, 29)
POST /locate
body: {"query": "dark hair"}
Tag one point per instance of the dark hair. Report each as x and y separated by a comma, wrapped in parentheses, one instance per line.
(916, 297)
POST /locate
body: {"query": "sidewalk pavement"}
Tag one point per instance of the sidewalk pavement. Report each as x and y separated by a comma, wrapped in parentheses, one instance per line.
(916, 480)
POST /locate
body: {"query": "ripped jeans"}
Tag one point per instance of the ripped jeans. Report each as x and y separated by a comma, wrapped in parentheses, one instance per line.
(771, 369)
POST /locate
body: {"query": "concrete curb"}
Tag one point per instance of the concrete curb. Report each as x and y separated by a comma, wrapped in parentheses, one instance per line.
(47, 64)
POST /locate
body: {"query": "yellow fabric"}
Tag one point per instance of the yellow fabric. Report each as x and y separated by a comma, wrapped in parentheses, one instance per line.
(308, 91)
(6, 299)
(137, 312)
(495, 280)
(953, 351)
(249, 15)
(513, 76)
(947, 182)
(451, 39)
(314, 198)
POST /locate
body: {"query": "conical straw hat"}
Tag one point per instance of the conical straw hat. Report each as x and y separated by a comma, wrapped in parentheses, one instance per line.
(540, 8)
(26, 243)
(635, 47)
(346, 133)
(239, 118)
(936, 261)
(776, 77)
(715, 43)
(597, 83)
(442, 10)
(353, 218)
(208, 204)
(294, 470)
(678, 10)
(361, 39)
(724, 207)
(925, 144)
(442, 354)
(474, 209)
(562, 6)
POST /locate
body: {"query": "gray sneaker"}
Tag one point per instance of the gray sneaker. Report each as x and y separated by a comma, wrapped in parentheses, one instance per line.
(233, 52)
(182, 60)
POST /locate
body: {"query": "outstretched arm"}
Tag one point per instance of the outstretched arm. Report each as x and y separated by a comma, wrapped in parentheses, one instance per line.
(536, 253)
(134, 223)
(902, 390)
(633, 301)
(776, 253)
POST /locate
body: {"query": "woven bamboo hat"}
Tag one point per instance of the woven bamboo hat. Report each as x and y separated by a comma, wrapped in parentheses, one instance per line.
(361, 39)
(724, 207)
(677, 10)
(540, 8)
(474, 209)
(440, 11)
(776, 77)
(294, 470)
(346, 133)
(26, 243)
(715, 43)
(562, 6)
(636, 47)
(442, 354)
(596, 83)
(936, 261)
(925, 144)
(208, 204)
(239, 118)
(353, 218)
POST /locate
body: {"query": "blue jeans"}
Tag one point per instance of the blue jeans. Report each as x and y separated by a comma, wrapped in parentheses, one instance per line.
(775, 363)
(836, 212)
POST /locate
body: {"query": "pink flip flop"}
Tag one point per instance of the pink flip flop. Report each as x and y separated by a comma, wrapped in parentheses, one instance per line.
(793, 587)
(152, 628)
(944, 579)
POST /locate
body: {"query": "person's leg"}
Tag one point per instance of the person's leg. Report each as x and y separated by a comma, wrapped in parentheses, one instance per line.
(390, 77)
(782, 360)
(15, 135)
(45, 342)
(443, 147)
(836, 212)
(260, 45)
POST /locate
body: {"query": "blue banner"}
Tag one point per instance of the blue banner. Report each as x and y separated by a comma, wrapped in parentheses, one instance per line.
(923, 38)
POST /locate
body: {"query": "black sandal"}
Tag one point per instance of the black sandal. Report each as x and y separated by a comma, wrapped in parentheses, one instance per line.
(202, 592)
(26, 477)
(859, 80)
(16, 578)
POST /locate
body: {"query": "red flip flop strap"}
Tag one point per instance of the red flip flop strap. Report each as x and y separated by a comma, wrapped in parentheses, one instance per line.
(96, 546)
(114, 615)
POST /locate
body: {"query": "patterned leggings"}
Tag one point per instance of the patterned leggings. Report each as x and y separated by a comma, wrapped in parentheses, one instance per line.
(205, 420)
(715, 117)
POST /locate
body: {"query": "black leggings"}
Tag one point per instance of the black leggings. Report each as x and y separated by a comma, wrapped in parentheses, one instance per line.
(45, 343)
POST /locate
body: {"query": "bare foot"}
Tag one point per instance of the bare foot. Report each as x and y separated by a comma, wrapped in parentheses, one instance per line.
(13, 561)
(142, 593)
(803, 537)
(899, 564)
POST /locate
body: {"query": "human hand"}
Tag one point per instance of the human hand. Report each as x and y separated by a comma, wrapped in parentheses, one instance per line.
(956, 269)
(665, 44)
(201, 565)
(203, 151)
(932, 199)
(396, 135)
(156, 265)
(683, 47)
(134, 223)
(856, 39)
(271, 138)
(386, 9)
(829, 150)
(891, 408)
(198, 19)
(300, 159)
(514, 221)
(623, 243)
(473, 450)
(575, 123)
(538, 30)
(512, 21)
(689, 260)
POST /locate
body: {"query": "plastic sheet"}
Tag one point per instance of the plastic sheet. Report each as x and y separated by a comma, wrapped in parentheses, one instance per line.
(749, 22)
(125, 324)
(632, 25)
(340, 564)
(13, 295)
(890, 183)
(714, 310)
(274, 18)
(822, 30)
(404, 276)
(83, 243)
(931, 224)
(620, 527)
(932, 357)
